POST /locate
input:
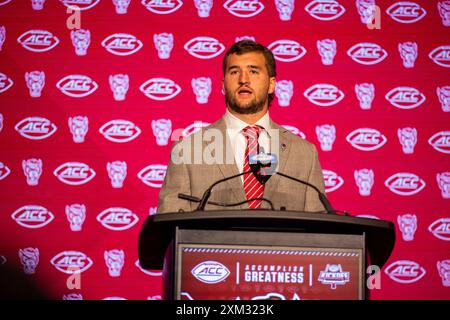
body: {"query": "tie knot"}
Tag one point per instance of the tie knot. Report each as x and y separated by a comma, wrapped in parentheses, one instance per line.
(251, 132)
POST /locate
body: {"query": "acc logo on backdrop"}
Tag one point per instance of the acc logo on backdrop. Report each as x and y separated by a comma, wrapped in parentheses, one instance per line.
(295, 131)
(325, 9)
(82, 4)
(210, 272)
(120, 130)
(35, 128)
(153, 175)
(162, 6)
(405, 271)
(160, 89)
(150, 273)
(122, 44)
(441, 229)
(3, 2)
(194, 127)
(38, 40)
(441, 141)
(406, 12)
(441, 56)
(77, 86)
(71, 262)
(4, 171)
(74, 173)
(287, 50)
(366, 139)
(117, 219)
(332, 180)
(32, 216)
(324, 95)
(5, 82)
(367, 53)
(405, 184)
(243, 9)
(204, 47)
(405, 97)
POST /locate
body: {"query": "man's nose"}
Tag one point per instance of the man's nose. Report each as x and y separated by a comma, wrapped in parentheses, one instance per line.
(244, 78)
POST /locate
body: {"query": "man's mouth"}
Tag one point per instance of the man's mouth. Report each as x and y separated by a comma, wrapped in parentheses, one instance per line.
(245, 92)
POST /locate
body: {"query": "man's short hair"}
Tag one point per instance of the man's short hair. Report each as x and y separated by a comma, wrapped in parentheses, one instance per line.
(246, 46)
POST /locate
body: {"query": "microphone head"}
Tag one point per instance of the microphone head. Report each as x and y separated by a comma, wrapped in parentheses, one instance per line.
(263, 165)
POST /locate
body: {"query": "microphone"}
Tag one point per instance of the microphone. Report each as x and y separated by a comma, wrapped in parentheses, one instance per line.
(264, 166)
(221, 204)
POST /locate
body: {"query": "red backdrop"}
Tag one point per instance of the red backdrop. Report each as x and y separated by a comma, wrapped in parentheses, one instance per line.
(402, 62)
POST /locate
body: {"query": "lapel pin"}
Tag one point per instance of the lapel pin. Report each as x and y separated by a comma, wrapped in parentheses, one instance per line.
(283, 146)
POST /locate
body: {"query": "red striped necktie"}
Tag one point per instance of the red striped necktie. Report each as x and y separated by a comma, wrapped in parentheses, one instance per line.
(252, 187)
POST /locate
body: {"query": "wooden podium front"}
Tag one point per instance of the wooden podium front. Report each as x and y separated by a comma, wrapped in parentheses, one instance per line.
(263, 254)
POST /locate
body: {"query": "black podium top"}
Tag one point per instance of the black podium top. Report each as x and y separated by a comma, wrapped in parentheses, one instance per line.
(158, 230)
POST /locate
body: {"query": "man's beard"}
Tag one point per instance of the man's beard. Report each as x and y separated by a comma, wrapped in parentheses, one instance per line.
(254, 106)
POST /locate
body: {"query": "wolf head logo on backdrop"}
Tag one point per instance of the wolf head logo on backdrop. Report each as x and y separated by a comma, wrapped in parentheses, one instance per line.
(120, 84)
(76, 214)
(163, 44)
(117, 172)
(37, 4)
(114, 260)
(35, 82)
(2, 36)
(366, 10)
(203, 7)
(284, 90)
(407, 224)
(79, 127)
(444, 12)
(443, 180)
(408, 53)
(408, 139)
(443, 94)
(32, 168)
(365, 92)
(162, 129)
(364, 179)
(202, 89)
(444, 272)
(326, 134)
(327, 50)
(81, 40)
(121, 6)
(29, 257)
(285, 9)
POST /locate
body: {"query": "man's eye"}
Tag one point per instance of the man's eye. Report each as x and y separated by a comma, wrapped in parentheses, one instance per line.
(233, 72)
(254, 72)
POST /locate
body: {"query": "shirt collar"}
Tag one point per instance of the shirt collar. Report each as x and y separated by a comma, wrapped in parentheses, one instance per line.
(235, 124)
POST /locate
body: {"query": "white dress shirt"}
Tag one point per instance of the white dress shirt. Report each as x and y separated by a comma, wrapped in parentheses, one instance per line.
(239, 142)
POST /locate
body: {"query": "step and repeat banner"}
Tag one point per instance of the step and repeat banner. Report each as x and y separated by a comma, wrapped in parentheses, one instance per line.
(91, 92)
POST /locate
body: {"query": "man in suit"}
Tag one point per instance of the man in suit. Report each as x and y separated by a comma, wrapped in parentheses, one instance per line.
(221, 149)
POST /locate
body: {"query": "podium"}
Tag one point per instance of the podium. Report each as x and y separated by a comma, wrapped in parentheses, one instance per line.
(263, 254)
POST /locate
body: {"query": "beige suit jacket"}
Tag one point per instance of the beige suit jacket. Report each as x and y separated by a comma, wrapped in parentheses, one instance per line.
(297, 158)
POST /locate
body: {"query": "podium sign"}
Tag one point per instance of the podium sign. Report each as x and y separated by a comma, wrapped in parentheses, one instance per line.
(328, 268)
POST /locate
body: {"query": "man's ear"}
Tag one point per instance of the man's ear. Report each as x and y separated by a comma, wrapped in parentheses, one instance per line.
(272, 84)
(223, 86)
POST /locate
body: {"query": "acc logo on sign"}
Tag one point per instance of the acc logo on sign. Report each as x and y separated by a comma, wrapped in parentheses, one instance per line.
(162, 6)
(120, 131)
(441, 56)
(210, 272)
(77, 86)
(122, 44)
(74, 173)
(366, 139)
(406, 12)
(325, 10)
(160, 89)
(117, 219)
(244, 9)
(405, 97)
(82, 4)
(32, 216)
(3, 2)
(153, 175)
(4, 171)
(441, 141)
(324, 95)
(71, 262)
(367, 53)
(405, 271)
(35, 128)
(405, 184)
(287, 50)
(38, 40)
(332, 180)
(5, 82)
(204, 47)
(441, 229)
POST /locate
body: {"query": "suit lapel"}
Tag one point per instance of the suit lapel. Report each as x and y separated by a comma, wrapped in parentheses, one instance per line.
(284, 147)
